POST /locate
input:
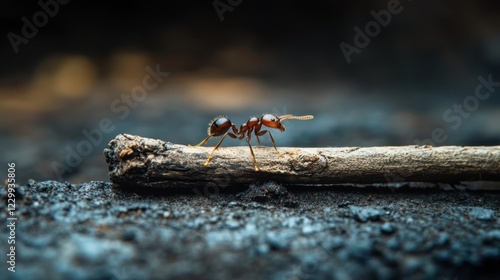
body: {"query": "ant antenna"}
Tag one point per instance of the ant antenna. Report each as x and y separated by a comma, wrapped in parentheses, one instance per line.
(292, 117)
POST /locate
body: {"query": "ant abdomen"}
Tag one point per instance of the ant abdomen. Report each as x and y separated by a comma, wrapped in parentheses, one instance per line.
(219, 126)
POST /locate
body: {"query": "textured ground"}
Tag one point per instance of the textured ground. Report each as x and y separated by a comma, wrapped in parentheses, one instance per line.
(94, 231)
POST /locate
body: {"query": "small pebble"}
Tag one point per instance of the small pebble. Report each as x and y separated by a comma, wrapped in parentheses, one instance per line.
(493, 235)
(482, 213)
(443, 239)
(233, 204)
(128, 234)
(276, 242)
(232, 224)
(310, 229)
(365, 214)
(388, 228)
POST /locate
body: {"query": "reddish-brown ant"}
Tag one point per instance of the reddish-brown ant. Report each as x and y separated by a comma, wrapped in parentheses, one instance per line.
(220, 127)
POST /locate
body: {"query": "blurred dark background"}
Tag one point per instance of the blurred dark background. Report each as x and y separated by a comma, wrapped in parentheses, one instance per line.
(254, 57)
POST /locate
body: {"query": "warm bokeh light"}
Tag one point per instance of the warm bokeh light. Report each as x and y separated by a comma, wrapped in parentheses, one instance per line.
(87, 63)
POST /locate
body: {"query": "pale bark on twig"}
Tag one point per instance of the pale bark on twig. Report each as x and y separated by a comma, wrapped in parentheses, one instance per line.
(138, 161)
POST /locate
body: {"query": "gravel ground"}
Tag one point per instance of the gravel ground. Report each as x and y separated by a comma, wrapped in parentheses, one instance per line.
(96, 231)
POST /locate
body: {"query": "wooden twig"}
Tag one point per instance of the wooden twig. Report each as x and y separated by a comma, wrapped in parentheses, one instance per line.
(139, 161)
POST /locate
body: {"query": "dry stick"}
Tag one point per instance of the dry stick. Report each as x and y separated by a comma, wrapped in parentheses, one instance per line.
(138, 161)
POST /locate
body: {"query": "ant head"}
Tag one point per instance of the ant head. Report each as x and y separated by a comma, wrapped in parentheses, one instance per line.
(272, 121)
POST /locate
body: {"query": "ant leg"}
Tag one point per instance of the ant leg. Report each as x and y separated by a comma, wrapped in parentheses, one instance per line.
(257, 129)
(249, 136)
(235, 130)
(202, 142)
(216, 147)
(260, 133)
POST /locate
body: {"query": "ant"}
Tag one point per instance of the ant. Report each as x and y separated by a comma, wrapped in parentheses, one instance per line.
(220, 126)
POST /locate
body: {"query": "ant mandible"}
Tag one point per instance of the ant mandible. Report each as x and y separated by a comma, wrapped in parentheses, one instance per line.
(220, 126)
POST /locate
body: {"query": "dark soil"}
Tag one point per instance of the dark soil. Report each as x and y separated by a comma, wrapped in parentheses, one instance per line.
(97, 231)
